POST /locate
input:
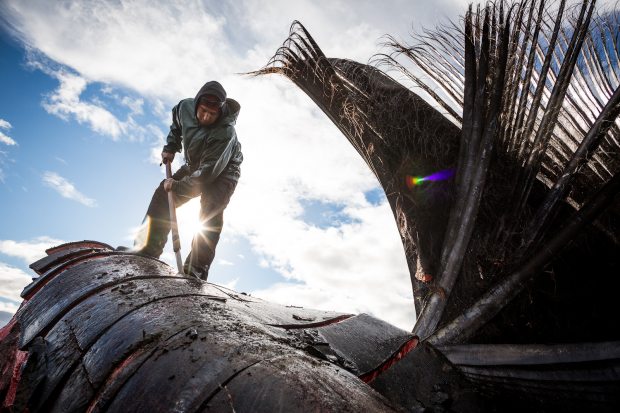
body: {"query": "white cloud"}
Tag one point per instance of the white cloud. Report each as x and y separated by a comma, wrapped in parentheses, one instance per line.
(9, 307)
(28, 251)
(4, 124)
(225, 263)
(166, 49)
(12, 282)
(65, 101)
(155, 48)
(3, 160)
(13, 279)
(356, 267)
(231, 285)
(135, 105)
(66, 189)
(3, 137)
(7, 141)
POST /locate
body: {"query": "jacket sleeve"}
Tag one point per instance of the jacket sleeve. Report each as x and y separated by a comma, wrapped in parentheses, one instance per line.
(213, 161)
(174, 139)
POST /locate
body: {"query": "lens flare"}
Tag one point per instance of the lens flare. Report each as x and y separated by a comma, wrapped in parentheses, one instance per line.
(437, 176)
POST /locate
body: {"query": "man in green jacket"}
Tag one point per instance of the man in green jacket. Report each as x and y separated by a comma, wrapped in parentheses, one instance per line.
(204, 127)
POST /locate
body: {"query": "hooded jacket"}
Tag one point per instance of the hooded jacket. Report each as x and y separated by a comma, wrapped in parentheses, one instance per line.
(210, 151)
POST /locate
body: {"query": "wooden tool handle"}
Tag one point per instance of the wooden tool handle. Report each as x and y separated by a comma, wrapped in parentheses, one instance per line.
(176, 241)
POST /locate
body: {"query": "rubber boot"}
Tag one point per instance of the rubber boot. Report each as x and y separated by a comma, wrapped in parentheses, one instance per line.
(152, 237)
(194, 269)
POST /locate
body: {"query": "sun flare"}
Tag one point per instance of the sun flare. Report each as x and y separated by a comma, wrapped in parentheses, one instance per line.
(189, 222)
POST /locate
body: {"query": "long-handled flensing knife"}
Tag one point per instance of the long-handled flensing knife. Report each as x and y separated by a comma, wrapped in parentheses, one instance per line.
(176, 242)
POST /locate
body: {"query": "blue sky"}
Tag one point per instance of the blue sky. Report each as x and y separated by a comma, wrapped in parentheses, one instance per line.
(86, 94)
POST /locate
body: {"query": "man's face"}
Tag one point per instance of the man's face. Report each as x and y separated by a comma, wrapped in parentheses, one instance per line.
(208, 111)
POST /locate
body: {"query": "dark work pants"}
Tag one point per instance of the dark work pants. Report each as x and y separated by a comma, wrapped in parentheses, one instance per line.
(214, 198)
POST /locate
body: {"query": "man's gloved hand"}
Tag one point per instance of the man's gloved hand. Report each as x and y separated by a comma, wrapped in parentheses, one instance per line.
(167, 157)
